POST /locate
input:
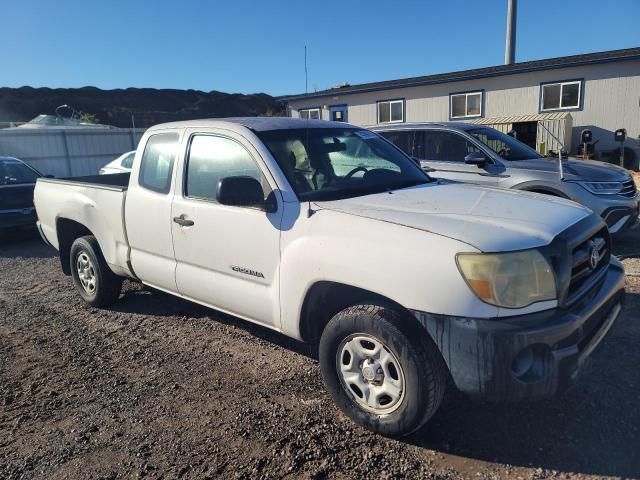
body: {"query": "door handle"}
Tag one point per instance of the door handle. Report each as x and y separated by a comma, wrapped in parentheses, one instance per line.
(182, 221)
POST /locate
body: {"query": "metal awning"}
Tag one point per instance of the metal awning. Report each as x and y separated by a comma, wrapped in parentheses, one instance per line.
(521, 118)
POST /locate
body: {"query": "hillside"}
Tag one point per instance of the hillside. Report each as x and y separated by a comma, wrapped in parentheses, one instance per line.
(149, 106)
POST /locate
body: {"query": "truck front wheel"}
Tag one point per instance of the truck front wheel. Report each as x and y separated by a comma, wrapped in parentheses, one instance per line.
(382, 369)
(92, 277)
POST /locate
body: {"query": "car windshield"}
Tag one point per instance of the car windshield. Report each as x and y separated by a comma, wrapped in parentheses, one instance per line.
(13, 172)
(328, 163)
(507, 147)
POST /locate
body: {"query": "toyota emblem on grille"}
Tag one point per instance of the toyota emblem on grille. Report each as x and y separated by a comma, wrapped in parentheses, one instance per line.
(594, 255)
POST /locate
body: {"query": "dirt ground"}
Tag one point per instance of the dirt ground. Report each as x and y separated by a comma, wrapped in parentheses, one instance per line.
(159, 388)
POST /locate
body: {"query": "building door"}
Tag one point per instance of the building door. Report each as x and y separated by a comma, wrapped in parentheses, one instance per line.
(338, 113)
(527, 132)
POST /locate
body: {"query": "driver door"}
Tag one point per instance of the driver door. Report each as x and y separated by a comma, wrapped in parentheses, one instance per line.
(227, 257)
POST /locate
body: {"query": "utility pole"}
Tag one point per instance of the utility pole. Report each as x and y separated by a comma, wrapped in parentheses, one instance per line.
(510, 46)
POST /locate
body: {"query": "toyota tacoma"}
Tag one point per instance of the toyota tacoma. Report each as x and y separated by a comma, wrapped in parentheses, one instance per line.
(328, 233)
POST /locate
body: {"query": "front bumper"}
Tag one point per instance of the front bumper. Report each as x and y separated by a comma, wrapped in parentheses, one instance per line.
(618, 212)
(620, 219)
(529, 356)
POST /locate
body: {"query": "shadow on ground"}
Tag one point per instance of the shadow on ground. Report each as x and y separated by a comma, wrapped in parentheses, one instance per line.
(592, 428)
(149, 301)
(25, 244)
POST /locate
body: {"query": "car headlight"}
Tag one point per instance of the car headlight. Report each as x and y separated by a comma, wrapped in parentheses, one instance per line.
(602, 188)
(509, 280)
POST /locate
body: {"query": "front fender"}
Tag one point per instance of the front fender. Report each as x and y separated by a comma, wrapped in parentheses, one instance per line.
(408, 266)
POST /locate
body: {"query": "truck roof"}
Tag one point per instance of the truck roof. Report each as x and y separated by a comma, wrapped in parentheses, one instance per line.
(257, 124)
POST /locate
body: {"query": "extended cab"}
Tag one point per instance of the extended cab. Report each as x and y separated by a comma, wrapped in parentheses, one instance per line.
(328, 233)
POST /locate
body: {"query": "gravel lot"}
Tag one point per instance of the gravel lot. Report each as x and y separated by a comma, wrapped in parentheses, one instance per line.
(159, 388)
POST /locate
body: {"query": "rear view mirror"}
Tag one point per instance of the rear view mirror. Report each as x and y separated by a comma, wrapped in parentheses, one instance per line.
(49, 176)
(241, 191)
(476, 158)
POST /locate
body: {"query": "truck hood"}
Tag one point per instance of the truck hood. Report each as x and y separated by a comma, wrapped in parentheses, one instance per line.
(588, 170)
(489, 219)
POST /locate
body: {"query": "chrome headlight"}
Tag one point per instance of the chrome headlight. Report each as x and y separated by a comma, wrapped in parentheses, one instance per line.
(602, 188)
(509, 280)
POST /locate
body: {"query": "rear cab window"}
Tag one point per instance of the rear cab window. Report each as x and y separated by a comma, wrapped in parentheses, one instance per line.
(158, 159)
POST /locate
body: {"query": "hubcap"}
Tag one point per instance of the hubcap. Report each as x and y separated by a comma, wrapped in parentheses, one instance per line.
(86, 273)
(371, 373)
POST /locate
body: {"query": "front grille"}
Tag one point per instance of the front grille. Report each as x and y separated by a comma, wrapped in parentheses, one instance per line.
(628, 188)
(589, 262)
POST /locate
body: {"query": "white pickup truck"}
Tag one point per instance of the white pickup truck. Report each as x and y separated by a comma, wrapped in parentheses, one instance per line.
(329, 234)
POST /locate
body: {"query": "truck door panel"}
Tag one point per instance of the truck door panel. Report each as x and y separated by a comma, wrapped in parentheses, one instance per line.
(148, 212)
(227, 256)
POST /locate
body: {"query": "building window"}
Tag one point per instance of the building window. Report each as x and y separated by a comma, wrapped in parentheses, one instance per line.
(310, 113)
(465, 105)
(391, 111)
(561, 95)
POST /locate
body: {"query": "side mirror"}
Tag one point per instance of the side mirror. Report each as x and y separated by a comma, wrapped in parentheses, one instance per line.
(241, 191)
(476, 158)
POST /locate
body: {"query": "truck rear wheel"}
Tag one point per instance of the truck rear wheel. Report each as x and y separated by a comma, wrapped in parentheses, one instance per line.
(382, 369)
(94, 280)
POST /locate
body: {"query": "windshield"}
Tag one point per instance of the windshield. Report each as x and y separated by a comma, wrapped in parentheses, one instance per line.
(327, 163)
(13, 172)
(507, 147)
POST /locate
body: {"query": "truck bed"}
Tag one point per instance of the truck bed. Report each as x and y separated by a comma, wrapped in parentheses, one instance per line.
(94, 202)
(116, 181)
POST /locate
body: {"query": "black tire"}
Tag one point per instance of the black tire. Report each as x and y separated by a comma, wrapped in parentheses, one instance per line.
(107, 285)
(425, 374)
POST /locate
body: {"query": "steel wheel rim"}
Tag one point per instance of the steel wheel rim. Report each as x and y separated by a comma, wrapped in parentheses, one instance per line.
(370, 373)
(86, 273)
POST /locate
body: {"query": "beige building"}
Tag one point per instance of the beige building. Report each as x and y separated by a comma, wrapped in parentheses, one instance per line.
(597, 91)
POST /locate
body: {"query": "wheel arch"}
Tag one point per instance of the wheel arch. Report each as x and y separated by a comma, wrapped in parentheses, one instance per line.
(68, 231)
(326, 298)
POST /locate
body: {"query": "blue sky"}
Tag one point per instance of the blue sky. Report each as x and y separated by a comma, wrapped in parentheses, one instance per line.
(258, 46)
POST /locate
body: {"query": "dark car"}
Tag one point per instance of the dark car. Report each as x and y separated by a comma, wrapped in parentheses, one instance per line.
(17, 181)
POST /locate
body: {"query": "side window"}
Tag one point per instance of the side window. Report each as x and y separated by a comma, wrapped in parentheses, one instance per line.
(158, 158)
(446, 146)
(127, 162)
(355, 154)
(401, 140)
(212, 158)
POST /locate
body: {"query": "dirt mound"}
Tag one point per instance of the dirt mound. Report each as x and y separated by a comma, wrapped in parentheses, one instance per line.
(149, 106)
